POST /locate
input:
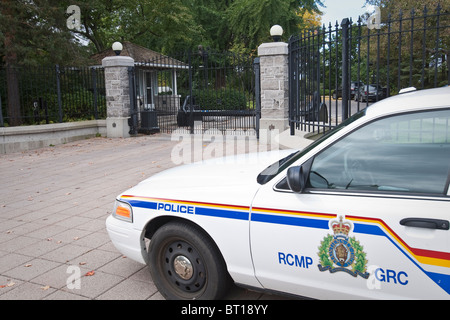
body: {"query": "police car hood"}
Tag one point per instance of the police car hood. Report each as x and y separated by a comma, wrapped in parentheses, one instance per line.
(230, 179)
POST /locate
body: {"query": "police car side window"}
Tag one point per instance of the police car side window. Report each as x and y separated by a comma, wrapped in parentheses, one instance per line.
(406, 153)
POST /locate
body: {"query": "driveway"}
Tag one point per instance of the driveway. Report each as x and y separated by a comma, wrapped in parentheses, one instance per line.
(53, 206)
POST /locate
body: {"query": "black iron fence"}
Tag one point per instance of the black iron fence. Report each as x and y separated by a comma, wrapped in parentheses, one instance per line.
(195, 92)
(336, 71)
(189, 92)
(51, 94)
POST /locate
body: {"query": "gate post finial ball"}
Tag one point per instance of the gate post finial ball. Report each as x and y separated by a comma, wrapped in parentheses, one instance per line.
(117, 48)
(276, 32)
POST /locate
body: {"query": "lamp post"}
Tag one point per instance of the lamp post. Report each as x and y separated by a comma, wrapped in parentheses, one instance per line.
(276, 32)
(117, 48)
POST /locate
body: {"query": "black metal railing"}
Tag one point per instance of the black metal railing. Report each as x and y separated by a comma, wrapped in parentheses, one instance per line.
(51, 94)
(329, 63)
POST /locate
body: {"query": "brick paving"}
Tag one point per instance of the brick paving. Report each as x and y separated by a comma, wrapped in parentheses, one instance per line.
(53, 206)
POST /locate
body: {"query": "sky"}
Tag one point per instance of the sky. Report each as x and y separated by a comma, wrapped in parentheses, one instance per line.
(340, 9)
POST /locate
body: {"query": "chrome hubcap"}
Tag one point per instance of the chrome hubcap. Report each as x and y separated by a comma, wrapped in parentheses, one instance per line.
(183, 267)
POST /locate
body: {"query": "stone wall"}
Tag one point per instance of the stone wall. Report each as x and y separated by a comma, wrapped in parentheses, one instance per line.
(23, 138)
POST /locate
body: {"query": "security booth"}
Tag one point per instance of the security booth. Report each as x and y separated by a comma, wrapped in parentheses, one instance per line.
(157, 91)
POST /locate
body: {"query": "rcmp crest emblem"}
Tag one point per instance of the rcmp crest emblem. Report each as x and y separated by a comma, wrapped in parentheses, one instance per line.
(339, 252)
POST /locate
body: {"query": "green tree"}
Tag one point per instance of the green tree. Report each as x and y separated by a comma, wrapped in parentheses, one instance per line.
(160, 25)
(98, 23)
(211, 18)
(32, 33)
(250, 20)
(35, 32)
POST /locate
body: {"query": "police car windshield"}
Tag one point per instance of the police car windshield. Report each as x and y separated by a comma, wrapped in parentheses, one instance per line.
(271, 171)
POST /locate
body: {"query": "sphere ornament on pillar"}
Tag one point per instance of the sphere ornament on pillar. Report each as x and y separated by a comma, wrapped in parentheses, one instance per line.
(117, 48)
(276, 32)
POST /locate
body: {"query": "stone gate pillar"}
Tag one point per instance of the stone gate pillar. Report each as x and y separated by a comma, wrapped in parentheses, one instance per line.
(117, 95)
(274, 86)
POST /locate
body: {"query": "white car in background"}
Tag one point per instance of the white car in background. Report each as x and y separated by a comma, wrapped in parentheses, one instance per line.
(361, 213)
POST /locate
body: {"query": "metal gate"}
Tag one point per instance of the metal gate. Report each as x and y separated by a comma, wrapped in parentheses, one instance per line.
(336, 71)
(196, 92)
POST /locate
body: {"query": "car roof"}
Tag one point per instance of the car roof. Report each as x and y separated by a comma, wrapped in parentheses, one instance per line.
(411, 101)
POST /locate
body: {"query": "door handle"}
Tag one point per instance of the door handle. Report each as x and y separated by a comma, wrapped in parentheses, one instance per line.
(425, 223)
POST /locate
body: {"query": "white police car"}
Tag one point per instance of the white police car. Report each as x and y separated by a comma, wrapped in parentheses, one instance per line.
(362, 213)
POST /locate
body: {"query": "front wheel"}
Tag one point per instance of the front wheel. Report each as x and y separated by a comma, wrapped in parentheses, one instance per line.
(186, 264)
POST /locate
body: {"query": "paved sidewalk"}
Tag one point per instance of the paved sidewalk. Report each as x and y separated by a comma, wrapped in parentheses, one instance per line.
(53, 206)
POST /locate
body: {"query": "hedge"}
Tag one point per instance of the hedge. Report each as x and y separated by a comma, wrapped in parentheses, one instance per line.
(221, 99)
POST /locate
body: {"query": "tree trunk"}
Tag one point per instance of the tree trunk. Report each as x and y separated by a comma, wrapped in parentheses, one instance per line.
(12, 79)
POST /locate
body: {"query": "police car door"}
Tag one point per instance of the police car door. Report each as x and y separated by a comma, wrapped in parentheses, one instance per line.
(372, 220)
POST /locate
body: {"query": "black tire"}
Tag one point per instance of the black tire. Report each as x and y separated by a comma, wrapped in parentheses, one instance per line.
(179, 245)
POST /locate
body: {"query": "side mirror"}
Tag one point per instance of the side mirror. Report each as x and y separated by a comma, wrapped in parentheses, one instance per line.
(296, 179)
